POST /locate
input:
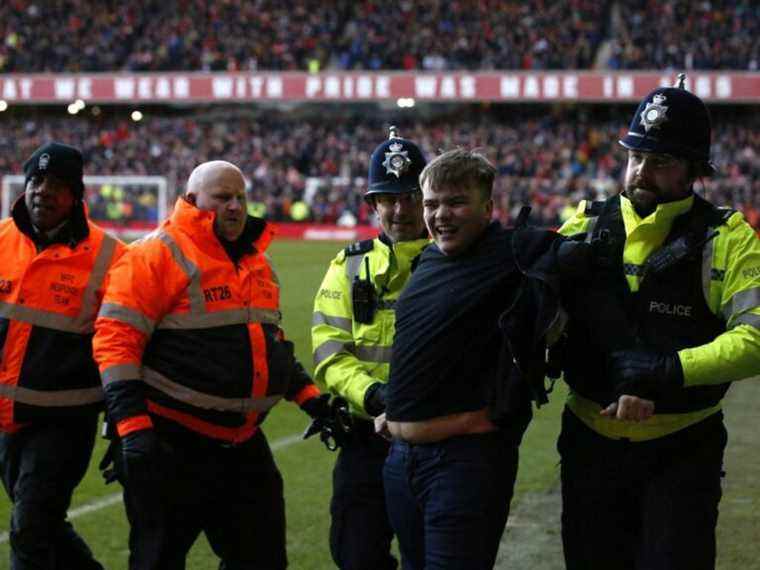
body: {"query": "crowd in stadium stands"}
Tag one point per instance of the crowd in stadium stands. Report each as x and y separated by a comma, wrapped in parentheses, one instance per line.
(312, 169)
(681, 34)
(77, 35)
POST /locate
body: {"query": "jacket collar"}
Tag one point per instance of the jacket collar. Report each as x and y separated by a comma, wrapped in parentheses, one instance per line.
(199, 225)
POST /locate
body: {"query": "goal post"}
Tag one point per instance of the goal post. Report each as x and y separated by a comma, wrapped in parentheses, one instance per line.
(129, 206)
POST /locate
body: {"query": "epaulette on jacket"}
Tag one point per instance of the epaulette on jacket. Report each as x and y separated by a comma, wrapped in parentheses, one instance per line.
(359, 247)
(593, 209)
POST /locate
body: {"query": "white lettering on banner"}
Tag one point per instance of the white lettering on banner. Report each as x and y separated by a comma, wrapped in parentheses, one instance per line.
(625, 86)
(145, 88)
(448, 87)
(9, 89)
(348, 87)
(530, 87)
(383, 86)
(332, 87)
(274, 87)
(84, 88)
(256, 87)
(570, 86)
(467, 87)
(124, 88)
(364, 86)
(65, 89)
(240, 88)
(221, 87)
(510, 86)
(723, 87)
(163, 90)
(425, 86)
(181, 87)
(551, 87)
(607, 90)
(313, 85)
(704, 88)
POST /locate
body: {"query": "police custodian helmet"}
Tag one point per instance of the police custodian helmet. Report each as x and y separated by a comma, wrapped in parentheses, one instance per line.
(395, 167)
(674, 121)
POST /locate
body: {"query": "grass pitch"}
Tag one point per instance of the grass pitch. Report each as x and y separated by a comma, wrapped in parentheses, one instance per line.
(98, 514)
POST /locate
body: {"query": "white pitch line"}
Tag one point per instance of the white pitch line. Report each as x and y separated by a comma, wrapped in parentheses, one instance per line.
(109, 500)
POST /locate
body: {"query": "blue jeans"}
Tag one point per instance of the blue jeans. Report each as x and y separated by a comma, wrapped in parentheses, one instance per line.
(448, 501)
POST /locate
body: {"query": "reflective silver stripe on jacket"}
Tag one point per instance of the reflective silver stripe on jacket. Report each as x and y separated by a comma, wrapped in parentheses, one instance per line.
(194, 290)
(52, 398)
(342, 323)
(207, 401)
(381, 354)
(219, 318)
(353, 267)
(199, 317)
(741, 302)
(590, 228)
(120, 372)
(748, 319)
(707, 269)
(129, 316)
(83, 322)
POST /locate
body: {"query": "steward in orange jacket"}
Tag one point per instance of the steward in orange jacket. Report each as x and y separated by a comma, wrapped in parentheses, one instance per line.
(53, 264)
(192, 358)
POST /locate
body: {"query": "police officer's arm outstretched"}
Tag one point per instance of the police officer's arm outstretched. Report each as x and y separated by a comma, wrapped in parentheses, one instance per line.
(669, 316)
(192, 358)
(352, 335)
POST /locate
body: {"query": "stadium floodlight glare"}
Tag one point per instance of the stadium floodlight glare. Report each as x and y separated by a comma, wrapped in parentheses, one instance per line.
(405, 102)
(80, 104)
(136, 116)
(3, 105)
(73, 109)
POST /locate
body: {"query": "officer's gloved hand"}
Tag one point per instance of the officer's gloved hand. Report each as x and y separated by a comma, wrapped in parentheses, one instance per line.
(318, 407)
(644, 372)
(140, 454)
(374, 399)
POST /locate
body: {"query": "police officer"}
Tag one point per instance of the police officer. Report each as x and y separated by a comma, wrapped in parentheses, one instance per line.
(677, 282)
(53, 264)
(352, 334)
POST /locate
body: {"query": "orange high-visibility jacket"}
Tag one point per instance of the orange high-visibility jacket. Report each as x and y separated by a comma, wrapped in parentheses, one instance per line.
(199, 333)
(48, 304)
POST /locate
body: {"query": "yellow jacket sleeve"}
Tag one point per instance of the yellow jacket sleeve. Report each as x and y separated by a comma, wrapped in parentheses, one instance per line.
(734, 294)
(336, 367)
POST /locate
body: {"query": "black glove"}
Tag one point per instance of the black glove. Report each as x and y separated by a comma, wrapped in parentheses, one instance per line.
(140, 455)
(331, 420)
(374, 399)
(645, 373)
(318, 407)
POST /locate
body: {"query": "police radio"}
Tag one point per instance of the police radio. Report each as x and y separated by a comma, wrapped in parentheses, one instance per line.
(364, 297)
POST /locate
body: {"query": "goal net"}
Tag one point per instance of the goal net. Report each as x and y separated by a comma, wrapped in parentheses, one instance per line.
(128, 206)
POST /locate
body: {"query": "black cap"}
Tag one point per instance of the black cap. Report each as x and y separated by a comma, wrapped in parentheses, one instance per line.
(60, 160)
(674, 121)
(395, 166)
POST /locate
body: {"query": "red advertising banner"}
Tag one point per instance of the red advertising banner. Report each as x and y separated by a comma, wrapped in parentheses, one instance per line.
(503, 86)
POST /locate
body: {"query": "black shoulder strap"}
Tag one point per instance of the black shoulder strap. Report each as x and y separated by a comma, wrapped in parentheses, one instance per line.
(594, 208)
(359, 247)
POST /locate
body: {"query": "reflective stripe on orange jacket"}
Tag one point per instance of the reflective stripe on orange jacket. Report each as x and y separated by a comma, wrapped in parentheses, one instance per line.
(198, 332)
(48, 304)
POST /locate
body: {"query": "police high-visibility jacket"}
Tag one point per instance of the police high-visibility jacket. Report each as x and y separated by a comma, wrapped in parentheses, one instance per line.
(194, 334)
(49, 298)
(724, 278)
(349, 356)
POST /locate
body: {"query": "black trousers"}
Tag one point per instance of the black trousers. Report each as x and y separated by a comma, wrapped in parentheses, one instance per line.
(41, 465)
(360, 532)
(234, 495)
(650, 505)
